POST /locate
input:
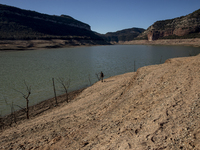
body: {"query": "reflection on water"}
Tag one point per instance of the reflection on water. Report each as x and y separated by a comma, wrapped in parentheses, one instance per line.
(38, 67)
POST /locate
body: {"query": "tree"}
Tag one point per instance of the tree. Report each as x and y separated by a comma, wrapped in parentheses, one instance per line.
(12, 117)
(1, 123)
(26, 96)
(54, 89)
(89, 79)
(65, 85)
(98, 76)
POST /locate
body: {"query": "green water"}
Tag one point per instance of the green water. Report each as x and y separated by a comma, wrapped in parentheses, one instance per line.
(38, 67)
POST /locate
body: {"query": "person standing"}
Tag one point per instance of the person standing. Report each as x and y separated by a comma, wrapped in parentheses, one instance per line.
(101, 76)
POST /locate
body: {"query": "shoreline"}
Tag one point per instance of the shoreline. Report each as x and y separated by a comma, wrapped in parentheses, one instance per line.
(40, 108)
(156, 106)
(20, 45)
(182, 42)
(195, 42)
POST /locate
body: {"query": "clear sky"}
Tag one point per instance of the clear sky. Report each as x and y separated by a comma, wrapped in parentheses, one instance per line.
(111, 15)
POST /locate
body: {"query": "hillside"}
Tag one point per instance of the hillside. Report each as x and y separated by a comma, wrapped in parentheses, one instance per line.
(181, 42)
(122, 35)
(19, 24)
(156, 107)
(182, 27)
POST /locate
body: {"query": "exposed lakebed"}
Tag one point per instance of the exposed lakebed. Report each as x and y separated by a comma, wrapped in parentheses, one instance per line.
(80, 64)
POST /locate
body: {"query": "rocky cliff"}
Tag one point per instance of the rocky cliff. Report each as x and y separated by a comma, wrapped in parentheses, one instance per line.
(182, 27)
(19, 24)
(122, 35)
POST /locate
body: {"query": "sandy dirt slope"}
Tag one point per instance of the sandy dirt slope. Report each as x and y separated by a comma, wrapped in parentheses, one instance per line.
(157, 107)
(186, 42)
(58, 43)
(45, 44)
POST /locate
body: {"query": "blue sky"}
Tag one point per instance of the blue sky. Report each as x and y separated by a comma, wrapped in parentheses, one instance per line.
(111, 15)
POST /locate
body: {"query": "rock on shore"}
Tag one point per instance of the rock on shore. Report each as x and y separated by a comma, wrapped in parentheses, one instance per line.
(157, 107)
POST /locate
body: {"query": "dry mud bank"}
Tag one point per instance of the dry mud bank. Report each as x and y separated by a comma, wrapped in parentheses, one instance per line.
(157, 107)
(59, 43)
(45, 44)
(185, 42)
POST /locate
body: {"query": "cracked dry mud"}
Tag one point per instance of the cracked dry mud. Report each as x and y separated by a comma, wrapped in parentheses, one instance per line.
(157, 107)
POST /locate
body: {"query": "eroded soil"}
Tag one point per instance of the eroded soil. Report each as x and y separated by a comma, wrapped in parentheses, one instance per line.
(157, 107)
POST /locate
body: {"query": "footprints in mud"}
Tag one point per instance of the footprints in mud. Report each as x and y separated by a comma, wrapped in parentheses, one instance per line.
(157, 118)
(162, 123)
(159, 134)
(137, 130)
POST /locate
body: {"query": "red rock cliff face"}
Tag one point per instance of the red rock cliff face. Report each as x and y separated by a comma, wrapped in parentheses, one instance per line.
(154, 35)
(186, 30)
(180, 26)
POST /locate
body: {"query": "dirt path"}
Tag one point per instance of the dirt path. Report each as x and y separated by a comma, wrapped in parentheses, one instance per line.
(157, 107)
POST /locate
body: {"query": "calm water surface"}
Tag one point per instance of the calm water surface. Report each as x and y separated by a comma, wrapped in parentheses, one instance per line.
(38, 67)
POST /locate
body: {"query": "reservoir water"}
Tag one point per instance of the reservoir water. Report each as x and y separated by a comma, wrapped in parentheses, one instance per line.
(80, 64)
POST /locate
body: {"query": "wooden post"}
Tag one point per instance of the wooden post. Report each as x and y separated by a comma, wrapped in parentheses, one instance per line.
(65, 86)
(160, 59)
(134, 66)
(54, 91)
(27, 108)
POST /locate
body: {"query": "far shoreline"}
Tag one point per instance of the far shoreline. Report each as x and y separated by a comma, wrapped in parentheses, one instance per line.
(21, 45)
(50, 103)
(195, 42)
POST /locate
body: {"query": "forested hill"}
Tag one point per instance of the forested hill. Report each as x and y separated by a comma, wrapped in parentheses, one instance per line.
(19, 24)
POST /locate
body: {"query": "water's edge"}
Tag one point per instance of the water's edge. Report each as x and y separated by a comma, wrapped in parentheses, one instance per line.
(79, 64)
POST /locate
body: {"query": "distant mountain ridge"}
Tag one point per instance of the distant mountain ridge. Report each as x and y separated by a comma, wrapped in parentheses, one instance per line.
(181, 27)
(19, 24)
(122, 35)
